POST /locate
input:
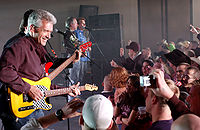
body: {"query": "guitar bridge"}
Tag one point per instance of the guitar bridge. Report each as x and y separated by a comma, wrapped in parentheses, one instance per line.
(26, 108)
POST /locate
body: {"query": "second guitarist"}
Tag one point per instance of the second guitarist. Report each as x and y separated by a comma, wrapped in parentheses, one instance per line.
(71, 43)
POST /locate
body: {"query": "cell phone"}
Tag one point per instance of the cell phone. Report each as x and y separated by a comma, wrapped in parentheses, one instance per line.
(148, 81)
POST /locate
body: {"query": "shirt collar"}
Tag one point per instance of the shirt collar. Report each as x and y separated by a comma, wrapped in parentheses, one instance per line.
(137, 55)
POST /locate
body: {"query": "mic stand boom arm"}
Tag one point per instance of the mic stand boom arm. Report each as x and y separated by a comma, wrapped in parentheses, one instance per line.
(106, 60)
(76, 48)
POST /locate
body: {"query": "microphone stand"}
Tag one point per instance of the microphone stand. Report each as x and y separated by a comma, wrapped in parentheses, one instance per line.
(92, 62)
(90, 34)
(66, 76)
(76, 48)
(52, 50)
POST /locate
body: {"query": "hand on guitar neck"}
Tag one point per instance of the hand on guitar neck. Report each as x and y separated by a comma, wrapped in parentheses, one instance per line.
(78, 55)
(36, 94)
(75, 90)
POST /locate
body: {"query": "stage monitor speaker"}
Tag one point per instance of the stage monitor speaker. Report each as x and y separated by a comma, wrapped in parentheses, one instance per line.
(106, 39)
(88, 10)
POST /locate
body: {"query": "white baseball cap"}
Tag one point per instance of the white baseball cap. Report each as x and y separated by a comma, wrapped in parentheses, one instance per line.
(97, 112)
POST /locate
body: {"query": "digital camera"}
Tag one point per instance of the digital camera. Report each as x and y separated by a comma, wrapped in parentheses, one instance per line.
(148, 81)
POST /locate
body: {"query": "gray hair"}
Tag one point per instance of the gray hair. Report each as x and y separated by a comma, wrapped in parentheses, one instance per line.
(37, 16)
(69, 21)
(196, 72)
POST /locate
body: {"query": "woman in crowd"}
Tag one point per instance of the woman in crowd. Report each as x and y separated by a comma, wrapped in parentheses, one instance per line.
(147, 66)
(118, 77)
(127, 106)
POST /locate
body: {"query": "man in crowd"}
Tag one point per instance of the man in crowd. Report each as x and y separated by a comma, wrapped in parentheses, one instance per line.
(178, 107)
(134, 62)
(191, 75)
(97, 114)
(180, 70)
(186, 122)
(69, 110)
(107, 88)
(160, 111)
(25, 58)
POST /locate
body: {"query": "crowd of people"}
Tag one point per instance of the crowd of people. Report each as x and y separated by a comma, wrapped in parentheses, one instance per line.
(142, 92)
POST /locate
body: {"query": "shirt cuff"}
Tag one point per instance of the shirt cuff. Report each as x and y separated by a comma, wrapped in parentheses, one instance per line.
(174, 100)
(32, 124)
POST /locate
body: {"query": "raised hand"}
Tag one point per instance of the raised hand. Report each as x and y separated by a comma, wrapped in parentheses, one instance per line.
(121, 52)
(70, 109)
(113, 63)
(162, 89)
(194, 30)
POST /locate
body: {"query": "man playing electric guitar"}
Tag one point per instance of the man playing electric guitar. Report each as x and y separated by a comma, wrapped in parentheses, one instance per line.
(26, 59)
(71, 43)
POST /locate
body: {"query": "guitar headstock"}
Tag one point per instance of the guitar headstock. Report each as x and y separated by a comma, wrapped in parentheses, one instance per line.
(90, 87)
(85, 46)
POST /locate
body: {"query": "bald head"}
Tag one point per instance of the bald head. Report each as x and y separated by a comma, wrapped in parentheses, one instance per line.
(186, 122)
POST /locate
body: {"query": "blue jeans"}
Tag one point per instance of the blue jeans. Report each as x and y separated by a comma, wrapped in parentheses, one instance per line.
(74, 72)
(84, 66)
(10, 122)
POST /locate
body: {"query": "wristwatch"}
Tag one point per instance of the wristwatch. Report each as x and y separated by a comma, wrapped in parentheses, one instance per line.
(59, 114)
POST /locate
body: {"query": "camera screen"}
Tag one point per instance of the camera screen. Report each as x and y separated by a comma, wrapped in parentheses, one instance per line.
(145, 81)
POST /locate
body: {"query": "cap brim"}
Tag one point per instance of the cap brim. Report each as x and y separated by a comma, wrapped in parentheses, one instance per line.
(128, 47)
(196, 60)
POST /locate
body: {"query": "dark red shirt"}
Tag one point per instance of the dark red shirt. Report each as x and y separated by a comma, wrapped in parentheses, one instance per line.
(25, 58)
(177, 107)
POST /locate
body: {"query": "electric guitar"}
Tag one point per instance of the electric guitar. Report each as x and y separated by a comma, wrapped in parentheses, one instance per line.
(22, 106)
(82, 47)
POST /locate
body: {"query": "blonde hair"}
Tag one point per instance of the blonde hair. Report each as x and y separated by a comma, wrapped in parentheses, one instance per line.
(173, 87)
(163, 101)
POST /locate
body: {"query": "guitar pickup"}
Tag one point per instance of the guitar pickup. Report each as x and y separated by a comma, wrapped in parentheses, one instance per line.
(26, 108)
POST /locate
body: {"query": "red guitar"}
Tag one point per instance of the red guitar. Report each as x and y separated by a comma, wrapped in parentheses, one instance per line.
(82, 47)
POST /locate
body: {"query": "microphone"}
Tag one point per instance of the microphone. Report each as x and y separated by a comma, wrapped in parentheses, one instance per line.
(67, 28)
(87, 28)
(58, 31)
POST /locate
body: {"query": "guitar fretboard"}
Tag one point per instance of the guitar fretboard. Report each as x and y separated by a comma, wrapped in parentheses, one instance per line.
(53, 74)
(50, 93)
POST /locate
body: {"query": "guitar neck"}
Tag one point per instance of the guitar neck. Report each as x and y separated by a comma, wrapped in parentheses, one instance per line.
(54, 73)
(56, 92)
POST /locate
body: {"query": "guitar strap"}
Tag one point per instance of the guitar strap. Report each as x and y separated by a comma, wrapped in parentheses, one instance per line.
(4, 99)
